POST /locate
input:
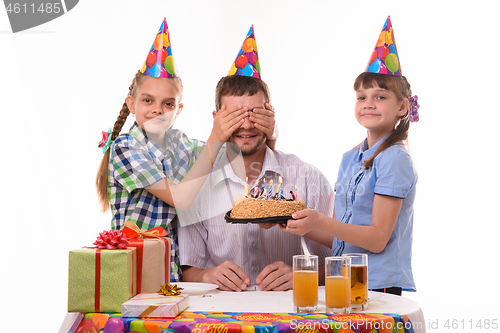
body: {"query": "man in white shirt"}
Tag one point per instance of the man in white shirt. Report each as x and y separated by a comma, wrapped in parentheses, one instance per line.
(234, 256)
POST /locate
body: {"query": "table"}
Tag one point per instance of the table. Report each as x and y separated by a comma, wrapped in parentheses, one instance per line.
(262, 312)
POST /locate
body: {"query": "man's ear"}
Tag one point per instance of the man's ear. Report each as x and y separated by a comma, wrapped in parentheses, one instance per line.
(214, 113)
(130, 103)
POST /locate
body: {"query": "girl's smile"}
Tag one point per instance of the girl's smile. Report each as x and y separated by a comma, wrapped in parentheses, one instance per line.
(369, 114)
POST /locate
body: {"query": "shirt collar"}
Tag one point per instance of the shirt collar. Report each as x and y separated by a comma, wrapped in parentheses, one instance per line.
(364, 153)
(270, 165)
(152, 146)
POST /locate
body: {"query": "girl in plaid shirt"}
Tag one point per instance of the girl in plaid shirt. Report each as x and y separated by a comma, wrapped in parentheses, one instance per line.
(142, 171)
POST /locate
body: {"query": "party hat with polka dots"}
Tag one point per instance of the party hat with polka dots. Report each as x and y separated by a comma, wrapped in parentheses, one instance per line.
(384, 58)
(160, 60)
(247, 60)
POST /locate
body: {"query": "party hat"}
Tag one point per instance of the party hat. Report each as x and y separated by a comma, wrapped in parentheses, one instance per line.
(384, 58)
(247, 60)
(160, 60)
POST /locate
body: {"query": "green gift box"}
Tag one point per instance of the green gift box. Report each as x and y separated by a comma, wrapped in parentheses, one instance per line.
(101, 280)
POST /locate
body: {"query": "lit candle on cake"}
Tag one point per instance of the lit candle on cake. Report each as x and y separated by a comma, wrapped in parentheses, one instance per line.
(247, 189)
(280, 189)
(270, 190)
(256, 190)
(295, 194)
(263, 187)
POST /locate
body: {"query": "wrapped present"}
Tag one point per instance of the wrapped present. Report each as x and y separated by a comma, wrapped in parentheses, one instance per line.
(101, 280)
(153, 256)
(153, 305)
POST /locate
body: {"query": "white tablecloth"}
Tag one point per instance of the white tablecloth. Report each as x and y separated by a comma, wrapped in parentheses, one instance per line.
(282, 302)
(276, 302)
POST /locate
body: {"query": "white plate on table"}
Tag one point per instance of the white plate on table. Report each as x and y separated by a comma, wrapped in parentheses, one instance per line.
(195, 288)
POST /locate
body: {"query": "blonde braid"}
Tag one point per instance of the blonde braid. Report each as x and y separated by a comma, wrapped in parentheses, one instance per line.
(101, 181)
(120, 121)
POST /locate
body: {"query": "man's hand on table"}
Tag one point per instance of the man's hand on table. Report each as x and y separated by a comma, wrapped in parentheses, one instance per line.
(277, 276)
(228, 276)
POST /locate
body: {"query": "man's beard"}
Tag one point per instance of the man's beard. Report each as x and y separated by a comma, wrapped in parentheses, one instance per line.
(255, 149)
(246, 150)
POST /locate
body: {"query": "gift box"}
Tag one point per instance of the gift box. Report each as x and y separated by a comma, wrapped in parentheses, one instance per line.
(101, 280)
(153, 256)
(153, 305)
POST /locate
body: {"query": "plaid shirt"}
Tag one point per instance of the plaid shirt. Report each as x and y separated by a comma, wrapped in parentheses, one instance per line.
(136, 163)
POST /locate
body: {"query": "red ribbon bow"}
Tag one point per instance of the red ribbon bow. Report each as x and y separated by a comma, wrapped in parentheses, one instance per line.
(131, 230)
(111, 240)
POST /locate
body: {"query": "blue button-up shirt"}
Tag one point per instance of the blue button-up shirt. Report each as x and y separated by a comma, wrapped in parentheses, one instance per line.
(392, 174)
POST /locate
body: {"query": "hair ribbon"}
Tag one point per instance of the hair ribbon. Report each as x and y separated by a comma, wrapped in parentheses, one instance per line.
(106, 141)
(414, 106)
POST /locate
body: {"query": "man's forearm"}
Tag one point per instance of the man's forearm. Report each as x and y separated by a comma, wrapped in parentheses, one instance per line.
(192, 274)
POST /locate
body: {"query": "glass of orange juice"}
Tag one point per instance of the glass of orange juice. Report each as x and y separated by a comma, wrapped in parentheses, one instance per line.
(305, 283)
(338, 285)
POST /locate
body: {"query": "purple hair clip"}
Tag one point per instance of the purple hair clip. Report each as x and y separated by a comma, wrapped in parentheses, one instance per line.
(414, 109)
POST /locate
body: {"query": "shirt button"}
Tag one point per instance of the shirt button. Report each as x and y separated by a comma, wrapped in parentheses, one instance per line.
(253, 244)
(255, 269)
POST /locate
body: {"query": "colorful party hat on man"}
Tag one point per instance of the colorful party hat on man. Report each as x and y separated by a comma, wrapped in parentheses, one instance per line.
(247, 60)
(160, 60)
(384, 58)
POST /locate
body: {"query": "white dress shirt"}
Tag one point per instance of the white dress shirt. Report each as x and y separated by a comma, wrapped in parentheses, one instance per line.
(207, 240)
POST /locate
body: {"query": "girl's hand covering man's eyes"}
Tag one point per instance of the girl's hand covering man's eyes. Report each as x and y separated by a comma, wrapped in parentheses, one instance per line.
(264, 120)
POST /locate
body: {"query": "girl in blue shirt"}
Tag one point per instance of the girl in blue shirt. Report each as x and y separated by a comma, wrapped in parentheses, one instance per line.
(375, 189)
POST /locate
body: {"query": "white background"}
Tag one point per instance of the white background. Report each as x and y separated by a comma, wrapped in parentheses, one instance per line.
(64, 82)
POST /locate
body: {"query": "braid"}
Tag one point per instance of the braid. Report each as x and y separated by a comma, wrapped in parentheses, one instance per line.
(102, 172)
(120, 121)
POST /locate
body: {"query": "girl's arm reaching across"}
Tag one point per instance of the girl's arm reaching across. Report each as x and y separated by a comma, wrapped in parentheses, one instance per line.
(183, 194)
(373, 237)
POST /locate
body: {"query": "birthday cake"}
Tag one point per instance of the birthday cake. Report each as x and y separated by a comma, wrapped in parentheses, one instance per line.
(250, 208)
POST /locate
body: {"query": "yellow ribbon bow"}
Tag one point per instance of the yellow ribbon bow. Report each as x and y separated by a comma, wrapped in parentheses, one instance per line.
(169, 290)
